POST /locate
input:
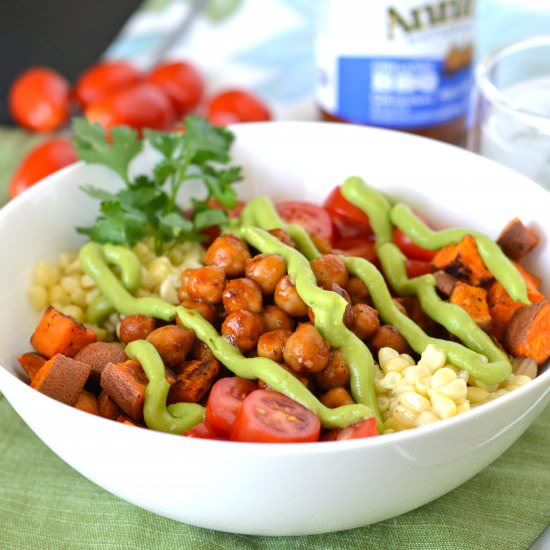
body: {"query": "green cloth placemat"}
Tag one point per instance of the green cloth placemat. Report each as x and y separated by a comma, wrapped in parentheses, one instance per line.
(46, 505)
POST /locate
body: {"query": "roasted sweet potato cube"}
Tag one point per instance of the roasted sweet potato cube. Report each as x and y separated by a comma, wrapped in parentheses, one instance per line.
(473, 299)
(107, 407)
(31, 363)
(516, 240)
(62, 378)
(444, 282)
(463, 261)
(99, 354)
(194, 380)
(528, 333)
(125, 384)
(87, 402)
(60, 333)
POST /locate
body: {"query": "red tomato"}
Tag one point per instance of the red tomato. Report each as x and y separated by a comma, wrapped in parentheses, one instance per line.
(181, 82)
(202, 431)
(39, 99)
(236, 106)
(104, 78)
(415, 268)
(268, 416)
(140, 106)
(349, 220)
(360, 245)
(363, 428)
(43, 160)
(311, 217)
(224, 402)
(410, 249)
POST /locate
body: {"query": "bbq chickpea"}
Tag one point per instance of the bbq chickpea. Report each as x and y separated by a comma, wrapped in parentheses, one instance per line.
(230, 253)
(242, 329)
(135, 327)
(272, 344)
(206, 284)
(387, 336)
(330, 269)
(173, 343)
(305, 350)
(266, 270)
(365, 321)
(336, 397)
(208, 311)
(282, 235)
(274, 318)
(335, 374)
(287, 298)
(358, 291)
(242, 293)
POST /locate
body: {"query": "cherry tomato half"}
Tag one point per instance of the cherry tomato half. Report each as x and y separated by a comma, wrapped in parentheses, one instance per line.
(181, 82)
(224, 401)
(415, 268)
(140, 106)
(43, 160)
(268, 416)
(348, 220)
(202, 431)
(104, 78)
(361, 245)
(310, 216)
(363, 428)
(410, 249)
(39, 99)
(236, 106)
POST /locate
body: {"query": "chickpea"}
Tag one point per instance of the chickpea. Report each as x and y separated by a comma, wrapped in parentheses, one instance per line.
(287, 298)
(230, 253)
(266, 270)
(322, 245)
(242, 329)
(400, 306)
(330, 269)
(274, 318)
(272, 344)
(135, 327)
(206, 284)
(348, 313)
(358, 291)
(305, 350)
(336, 397)
(387, 336)
(200, 351)
(242, 294)
(208, 311)
(335, 374)
(365, 321)
(283, 236)
(173, 343)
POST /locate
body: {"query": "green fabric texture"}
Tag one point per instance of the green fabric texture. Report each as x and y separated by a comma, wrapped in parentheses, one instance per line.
(45, 504)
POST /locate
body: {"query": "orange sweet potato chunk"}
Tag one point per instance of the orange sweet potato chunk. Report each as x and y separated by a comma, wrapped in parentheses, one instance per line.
(473, 299)
(31, 362)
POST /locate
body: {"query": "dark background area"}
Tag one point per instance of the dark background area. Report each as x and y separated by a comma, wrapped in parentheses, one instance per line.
(67, 35)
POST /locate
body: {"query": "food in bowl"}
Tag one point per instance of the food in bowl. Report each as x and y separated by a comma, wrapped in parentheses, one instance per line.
(270, 336)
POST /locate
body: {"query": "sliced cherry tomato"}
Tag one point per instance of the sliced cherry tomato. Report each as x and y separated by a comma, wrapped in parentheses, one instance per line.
(202, 431)
(104, 78)
(224, 401)
(236, 106)
(363, 428)
(415, 268)
(268, 416)
(349, 220)
(43, 160)
(410, 249)
(39, 99)
(360, 245)
(140, 106)
(182, 84)
(310, 216)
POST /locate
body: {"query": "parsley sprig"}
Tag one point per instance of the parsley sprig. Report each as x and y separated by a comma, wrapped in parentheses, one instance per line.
(147, 205)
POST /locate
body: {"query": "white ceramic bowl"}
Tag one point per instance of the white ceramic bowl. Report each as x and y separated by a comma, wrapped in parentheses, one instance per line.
(279, 489)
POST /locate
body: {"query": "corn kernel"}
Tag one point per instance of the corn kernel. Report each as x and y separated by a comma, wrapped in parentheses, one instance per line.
(74, 311)
(425, 418)
(78, 297)
(65, 259)
(396, 364)
(38, 296)
(443, 377)
(92, 295)
(432, 358)
(45, 275)
(414, 401)
(69, 284)
(383, 403)
(74, 268)
(477, 395)
(404, 416)
(58, 295)
(415, 372)
(393, 424)
(423, 384)
(455, 390)
(442, 406)
(391, 380)
(385, 355)
(463, 407)
(147, 282)
(86, 282)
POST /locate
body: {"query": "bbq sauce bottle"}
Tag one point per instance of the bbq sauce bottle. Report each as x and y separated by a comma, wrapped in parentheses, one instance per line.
(402, 64)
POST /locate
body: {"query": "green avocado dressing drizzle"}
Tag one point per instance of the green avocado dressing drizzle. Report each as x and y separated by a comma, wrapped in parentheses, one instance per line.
(329, 309)
(176, 418)
(496, 261)
(485, 361)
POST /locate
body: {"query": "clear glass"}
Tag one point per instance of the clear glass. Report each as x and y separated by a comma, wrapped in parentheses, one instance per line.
(511, 110)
